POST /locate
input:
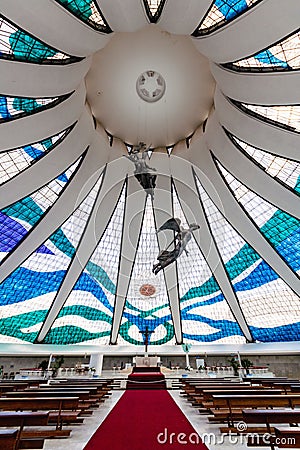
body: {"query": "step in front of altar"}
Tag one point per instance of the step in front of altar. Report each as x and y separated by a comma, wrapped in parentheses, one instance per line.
(146, 380)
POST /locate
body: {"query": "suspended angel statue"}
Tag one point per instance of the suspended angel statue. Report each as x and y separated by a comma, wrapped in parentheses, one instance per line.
(143, 173)
(180, 242)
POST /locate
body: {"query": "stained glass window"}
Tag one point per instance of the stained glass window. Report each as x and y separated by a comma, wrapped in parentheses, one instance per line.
(15, 161)
(27, 294)
(283, 169)
(143, 310)
(285, 55)
(154, 8)
(280, 228)
(206, 316)
(87, 11)
(287, 117)
(19, 218)
(87, 313)
(259, 289)
(221, 12)
(18, 45)
(14, 107)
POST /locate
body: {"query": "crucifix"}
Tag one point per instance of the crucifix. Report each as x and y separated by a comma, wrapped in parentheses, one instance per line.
(147, 333)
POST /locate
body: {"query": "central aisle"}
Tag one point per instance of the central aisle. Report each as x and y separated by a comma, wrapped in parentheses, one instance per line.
(145, 420)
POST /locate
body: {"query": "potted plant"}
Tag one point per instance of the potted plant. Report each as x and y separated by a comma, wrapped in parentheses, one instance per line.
(57, 363)
(246, 363)
(235, 365)
(44, 366)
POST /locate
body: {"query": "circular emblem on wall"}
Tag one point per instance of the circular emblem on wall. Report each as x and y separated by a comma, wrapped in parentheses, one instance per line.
(147, 290)
(150, 86)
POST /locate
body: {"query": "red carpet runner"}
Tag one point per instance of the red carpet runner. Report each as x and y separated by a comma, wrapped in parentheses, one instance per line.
(146, 380)
(145, 420)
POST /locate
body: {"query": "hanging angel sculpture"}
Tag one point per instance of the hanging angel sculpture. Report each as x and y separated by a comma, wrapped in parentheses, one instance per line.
(143, 173)
(180, 241)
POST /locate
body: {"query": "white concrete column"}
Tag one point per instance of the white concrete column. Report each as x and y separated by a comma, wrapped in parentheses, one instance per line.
(96, 361)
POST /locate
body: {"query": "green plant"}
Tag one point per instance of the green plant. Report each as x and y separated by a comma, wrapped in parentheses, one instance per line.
(59, 360)
(43, 365)
(246, 364)
(235, 365)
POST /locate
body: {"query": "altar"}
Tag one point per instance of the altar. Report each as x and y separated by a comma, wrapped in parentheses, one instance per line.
(146, 361)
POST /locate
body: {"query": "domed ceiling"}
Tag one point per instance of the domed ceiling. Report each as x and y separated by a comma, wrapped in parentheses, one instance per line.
(212, 90)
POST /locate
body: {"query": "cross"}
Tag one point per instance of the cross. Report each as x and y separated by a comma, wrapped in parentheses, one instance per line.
(147, 334)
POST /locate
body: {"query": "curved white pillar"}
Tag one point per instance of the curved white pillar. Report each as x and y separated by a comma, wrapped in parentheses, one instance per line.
(265, 88)
(191, 12)
(41, 80)
(124, 15)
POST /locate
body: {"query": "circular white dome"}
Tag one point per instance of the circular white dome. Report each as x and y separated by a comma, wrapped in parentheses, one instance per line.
(182, 106)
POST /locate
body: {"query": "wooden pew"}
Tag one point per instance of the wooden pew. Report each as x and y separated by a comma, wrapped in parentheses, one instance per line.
(84, 404)
(269, 417)
(205, 401)
(287, 437)
(96, 394)
(8, 439)
(285, 386)
(82, 395)
(201, 387)
(198, 388)
(208, 394)
(214, 381)
(4, 387)
(229, 407)
(93, 390)
(55, 404)
(270, 383)
(98, 386)
(73, 381)
(197, 396)
(200, 379)
(67, 417)
(295, 388)
(257, 380)
(20, 382)
(24, 439)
